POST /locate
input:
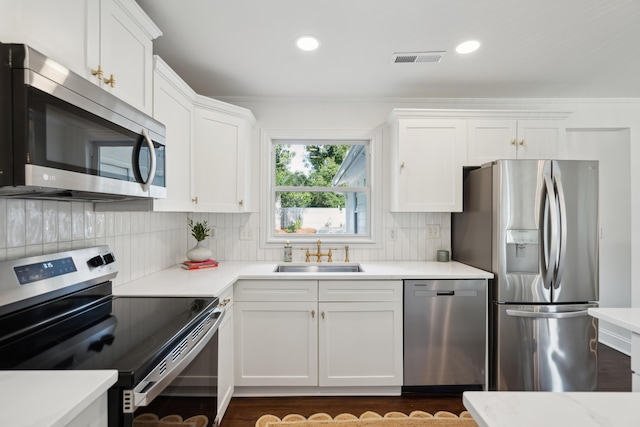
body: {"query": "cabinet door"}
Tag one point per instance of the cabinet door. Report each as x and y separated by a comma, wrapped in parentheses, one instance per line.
(490, 140)
(174, 109)
(276, 343)
(539, 139)
(126, 53)
(219, 163)
(56, 29)
(225, 361)
(431, 154)
(360, 344)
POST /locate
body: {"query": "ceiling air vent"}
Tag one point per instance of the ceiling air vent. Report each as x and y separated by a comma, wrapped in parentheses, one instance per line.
(417, 57)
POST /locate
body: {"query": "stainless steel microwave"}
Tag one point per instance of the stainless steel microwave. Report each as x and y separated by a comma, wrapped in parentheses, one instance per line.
(62, 136)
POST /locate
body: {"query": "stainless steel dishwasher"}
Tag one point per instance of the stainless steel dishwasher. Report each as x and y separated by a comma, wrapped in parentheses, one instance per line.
(445, 330)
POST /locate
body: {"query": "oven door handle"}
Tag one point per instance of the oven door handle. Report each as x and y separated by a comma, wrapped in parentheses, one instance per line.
(151, 390)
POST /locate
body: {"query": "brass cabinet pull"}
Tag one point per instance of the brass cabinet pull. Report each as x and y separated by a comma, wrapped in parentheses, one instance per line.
(322, 314)
(313, 314)
(111, 81)
(522, 142)
(97, 72)
(241, 202)
(513, 142)
(225, 302)
(195, 200)
(402, 165)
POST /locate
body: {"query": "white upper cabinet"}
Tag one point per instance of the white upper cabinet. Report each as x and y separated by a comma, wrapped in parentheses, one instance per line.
(123, 49)
(115, 35)
(429, 149)
(58, 29)
(221, 170)
(427, 157)
(173, 106)
(491, 139)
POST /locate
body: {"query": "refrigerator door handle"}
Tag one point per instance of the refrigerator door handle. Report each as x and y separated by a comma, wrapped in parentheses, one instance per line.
(547, 315)
(550, 215)
(559, 190)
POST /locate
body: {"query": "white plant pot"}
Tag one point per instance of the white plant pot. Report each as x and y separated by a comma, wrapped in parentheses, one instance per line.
(199, 253)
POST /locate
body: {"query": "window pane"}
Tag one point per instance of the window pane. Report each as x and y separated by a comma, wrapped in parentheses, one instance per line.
(321, 212)
(319, 165)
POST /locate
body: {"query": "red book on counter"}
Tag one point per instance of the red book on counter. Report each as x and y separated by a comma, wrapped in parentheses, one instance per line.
(195, 265)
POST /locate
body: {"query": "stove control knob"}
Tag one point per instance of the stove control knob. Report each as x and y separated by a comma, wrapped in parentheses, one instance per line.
(109, 258)
(96, 261)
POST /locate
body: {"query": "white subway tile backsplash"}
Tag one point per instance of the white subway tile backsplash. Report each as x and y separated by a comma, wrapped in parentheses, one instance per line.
(49, 223)
(16, 224)
(64, 222)
(33, 225)
(77, 221)
(146, 242)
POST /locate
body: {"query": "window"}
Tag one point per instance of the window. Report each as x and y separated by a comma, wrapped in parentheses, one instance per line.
(320, 188)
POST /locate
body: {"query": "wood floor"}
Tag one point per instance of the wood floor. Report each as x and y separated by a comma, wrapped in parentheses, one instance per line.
(614, 374)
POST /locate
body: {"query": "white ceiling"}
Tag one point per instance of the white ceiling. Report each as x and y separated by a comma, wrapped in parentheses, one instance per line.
(530, 48)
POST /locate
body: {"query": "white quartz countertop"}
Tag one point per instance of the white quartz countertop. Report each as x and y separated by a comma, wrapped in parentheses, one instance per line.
(49, 398)
(546, 409)
(627, 318)
(214, 281)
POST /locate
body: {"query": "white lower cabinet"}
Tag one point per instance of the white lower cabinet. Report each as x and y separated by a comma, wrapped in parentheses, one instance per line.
(360, 344)
(318, 333)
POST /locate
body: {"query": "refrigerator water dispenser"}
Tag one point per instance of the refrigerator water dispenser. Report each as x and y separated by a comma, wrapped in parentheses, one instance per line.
(522, 251)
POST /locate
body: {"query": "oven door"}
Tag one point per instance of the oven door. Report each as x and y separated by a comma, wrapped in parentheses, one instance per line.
(188, 369)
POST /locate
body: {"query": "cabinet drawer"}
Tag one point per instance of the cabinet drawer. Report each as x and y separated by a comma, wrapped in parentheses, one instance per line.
(360, 290)
(276, 290)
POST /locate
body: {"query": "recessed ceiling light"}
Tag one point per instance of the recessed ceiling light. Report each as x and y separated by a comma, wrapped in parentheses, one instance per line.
(468, 46)
(307, 43)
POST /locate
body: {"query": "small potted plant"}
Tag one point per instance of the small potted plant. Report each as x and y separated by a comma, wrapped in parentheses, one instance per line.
(199, 231)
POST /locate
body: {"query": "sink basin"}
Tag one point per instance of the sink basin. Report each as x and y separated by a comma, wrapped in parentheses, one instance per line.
(318, 268)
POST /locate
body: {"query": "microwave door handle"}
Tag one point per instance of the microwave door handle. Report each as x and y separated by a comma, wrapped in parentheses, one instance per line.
(146, 184)
(562, 225)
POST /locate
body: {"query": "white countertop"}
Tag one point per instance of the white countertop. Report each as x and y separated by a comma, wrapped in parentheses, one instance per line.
(213, 281)
(627, 318)
(49, 398)
(546, 409)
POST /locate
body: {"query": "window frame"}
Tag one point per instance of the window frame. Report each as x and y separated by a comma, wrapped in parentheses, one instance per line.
(271, 137)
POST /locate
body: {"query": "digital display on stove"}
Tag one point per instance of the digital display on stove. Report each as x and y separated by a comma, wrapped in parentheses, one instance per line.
(44, 270)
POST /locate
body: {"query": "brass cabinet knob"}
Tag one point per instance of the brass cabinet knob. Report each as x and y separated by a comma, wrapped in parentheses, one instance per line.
(111, 81)
(97, 72)
(241, 202)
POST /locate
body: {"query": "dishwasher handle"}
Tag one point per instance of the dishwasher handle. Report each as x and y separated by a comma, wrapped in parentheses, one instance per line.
(445, 293)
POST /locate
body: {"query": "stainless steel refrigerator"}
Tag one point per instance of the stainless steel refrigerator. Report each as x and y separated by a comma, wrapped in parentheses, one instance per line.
(534, 224)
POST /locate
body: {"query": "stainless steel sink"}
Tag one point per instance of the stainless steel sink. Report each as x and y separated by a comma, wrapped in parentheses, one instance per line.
(318, 268)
